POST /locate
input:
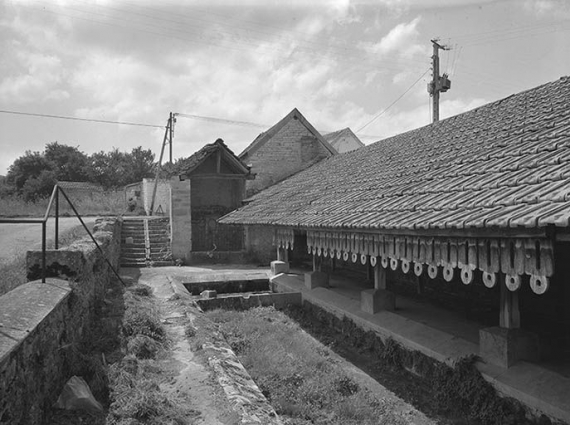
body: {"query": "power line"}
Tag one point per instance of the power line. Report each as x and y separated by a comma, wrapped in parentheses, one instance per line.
(223, 121)
(81, 119)
(393, 103)
(224, 43)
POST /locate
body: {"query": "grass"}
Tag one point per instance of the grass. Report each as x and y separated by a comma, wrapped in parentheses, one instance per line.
(300, 377)
(135, 394)
(106, 203)
(13, 272)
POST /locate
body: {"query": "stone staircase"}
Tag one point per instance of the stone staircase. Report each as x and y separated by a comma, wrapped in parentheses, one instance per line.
(145, 242)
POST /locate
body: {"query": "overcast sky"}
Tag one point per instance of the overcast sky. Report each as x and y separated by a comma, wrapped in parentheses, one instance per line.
(341, 63)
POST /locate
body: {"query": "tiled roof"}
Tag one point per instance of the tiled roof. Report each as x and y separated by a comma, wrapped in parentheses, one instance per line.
(264, 137)
(189, 164)
(505, 164)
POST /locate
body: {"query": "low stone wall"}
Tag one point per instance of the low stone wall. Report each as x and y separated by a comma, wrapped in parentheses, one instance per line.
(245, 302)
(42, 323)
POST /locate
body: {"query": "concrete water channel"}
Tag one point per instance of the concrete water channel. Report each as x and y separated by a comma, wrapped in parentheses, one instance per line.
(442, 336)
(238, 287)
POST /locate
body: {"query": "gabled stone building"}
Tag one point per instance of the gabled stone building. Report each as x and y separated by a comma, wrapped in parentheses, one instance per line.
(288, 147)
(343, 140)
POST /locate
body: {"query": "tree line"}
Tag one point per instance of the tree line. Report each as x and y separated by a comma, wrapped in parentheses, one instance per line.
(33, 175)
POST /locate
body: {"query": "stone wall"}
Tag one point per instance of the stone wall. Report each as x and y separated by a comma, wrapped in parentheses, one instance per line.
(181, 219)
(260, 247)
(162, 198)
(292, 149)
(41, 323)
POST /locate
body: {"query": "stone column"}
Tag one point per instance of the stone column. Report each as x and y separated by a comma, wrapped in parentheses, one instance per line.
(507, 343)
(180, 220)
(281, 265)
(374, 300)
(316, 278)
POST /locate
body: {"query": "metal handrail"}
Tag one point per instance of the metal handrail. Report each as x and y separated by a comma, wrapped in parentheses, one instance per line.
(43, 221)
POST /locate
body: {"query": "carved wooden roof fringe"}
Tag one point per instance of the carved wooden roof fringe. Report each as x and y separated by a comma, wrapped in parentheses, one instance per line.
(284, 238)
(514, 257)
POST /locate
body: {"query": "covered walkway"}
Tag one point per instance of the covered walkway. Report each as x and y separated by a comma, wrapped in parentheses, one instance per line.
(440, 334)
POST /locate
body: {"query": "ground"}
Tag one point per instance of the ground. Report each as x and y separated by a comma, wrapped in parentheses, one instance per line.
(20, 237)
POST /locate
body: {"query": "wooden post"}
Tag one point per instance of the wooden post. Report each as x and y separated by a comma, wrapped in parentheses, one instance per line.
(509, 317)
(316, 263)
(379, 277)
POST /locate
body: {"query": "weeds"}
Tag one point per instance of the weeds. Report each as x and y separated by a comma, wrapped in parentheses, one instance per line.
(296, 373)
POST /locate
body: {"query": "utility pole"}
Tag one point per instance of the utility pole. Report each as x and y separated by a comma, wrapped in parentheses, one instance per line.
(168, 136)
(171, 122)
(437, 84)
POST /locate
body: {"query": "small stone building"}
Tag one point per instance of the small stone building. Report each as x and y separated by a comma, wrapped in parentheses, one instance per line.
(288, 147)
(211, 185)
(343, 140)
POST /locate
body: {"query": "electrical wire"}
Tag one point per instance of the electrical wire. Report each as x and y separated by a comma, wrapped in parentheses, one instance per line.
(393, 103)
(223, 121)
(62, 117)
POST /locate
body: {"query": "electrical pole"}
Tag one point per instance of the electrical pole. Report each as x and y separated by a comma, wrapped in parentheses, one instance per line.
(438, 84)
(171, 122)
(168, 135)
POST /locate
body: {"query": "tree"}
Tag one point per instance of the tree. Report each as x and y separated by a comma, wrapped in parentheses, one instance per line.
(28, 166)
(39, 187)
(67, 162)
(142, 164)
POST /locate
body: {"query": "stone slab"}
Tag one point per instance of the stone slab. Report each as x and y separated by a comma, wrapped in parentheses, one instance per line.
(25, 307)
(373, 301)
(278, 267)
(316, 279)
(504, 347)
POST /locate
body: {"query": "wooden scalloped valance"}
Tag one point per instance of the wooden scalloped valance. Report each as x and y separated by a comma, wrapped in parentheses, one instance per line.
(514, 257)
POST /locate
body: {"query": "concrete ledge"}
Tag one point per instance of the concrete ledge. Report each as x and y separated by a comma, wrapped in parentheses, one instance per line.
(504, 347)
(24, 308)
(316, 279)
(248, 301)
(278, 267)
(373, 301)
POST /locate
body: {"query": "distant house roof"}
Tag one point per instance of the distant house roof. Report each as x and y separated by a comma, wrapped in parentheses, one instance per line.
(192, 163)
(343, 140)
(264, 137)
(503, 165)
(85, 186)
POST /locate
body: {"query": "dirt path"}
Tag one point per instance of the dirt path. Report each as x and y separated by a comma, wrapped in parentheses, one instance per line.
(15, 239)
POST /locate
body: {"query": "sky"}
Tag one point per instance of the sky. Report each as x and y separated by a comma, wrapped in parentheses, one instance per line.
(235, 68)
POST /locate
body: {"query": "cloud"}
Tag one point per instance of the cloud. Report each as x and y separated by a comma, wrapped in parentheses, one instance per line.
(553, 8)
(38, 80)
(399, 39)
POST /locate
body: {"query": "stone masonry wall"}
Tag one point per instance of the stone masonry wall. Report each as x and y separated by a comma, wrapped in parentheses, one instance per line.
(292, 149)
(181, 220)
(41, 323)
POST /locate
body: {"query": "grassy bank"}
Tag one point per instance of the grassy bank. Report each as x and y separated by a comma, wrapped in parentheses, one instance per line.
(105, 203)
(121, 360)
(300, 377)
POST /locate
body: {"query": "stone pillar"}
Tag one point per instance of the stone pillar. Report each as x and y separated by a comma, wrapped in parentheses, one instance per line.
(316, 278)
(506, 344)
(180, 220)
(374, 300)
